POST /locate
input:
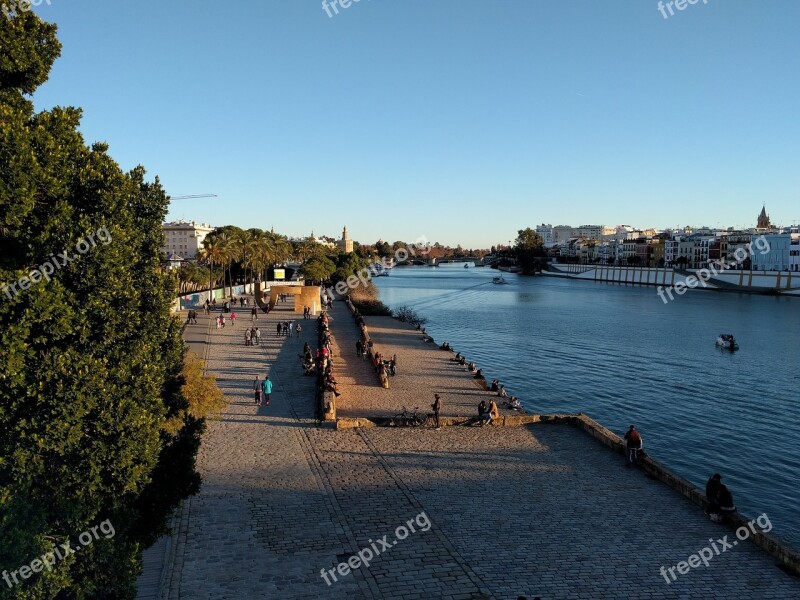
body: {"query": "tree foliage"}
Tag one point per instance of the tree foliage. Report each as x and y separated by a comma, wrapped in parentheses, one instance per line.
(90, 358)
(528, 250)
(318, 269)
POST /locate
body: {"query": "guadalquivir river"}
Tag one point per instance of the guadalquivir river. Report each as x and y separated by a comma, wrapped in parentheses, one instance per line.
(622, 356)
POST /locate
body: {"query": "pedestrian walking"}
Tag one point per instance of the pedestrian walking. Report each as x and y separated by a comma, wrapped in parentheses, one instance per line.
(297, 330)
(634, 444)
(257, 335)
(233, 319)
(291, 326)
(437, 408)
(266, 389)
(359, 348)
(279, 329)
(257, 391)
(248, 336)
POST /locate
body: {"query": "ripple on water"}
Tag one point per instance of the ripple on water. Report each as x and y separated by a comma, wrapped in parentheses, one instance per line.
(620, 355)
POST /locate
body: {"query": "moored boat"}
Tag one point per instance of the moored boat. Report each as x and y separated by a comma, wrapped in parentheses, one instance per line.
(727, 341)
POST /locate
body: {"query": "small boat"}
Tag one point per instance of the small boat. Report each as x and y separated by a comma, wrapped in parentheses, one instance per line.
(727, 341)
(498, 279)
(466, 266)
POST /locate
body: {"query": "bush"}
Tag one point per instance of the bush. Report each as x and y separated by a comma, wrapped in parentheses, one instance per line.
(407, 315)
(371, 308)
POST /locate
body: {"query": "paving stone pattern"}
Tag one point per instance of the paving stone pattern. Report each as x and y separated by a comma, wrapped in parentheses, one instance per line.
(541, 510)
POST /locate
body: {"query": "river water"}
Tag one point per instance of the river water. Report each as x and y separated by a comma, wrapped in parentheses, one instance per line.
(620, 355)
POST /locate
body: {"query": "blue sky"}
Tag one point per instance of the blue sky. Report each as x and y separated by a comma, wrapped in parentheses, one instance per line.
(459, 120)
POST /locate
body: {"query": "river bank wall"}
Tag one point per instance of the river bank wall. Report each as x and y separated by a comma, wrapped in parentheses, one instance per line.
(740, 280)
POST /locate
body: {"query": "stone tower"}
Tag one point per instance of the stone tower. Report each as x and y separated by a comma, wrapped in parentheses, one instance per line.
(346, 243)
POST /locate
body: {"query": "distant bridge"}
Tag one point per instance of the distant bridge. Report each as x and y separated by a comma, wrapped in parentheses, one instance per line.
(432, 262)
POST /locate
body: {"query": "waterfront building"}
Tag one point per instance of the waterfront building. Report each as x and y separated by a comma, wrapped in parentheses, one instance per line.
(699, 258)
(628, 251)
(546, 233)
(794, 253)
(591, 232)
(670, 252)
(562, 233)
(736, 247)
(776, 255)
(685, 250)
(643, 251)
(657, 252)
(184, 238)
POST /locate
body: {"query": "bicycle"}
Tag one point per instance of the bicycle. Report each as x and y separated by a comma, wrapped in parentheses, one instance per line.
(407, 418)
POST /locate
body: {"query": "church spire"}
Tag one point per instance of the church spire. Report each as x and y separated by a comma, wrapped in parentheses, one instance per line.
(763, 219)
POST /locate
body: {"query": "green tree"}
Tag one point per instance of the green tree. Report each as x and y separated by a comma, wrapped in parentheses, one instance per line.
(90, 357)
(318, 269)
(528, 250)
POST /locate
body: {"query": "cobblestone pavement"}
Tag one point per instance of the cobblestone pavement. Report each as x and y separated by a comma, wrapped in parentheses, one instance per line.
(541, 510)
(423, 370)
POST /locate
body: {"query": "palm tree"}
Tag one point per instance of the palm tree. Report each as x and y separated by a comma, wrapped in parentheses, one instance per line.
(213, 253)
(233, 249)
(263, 251)
(248, 240)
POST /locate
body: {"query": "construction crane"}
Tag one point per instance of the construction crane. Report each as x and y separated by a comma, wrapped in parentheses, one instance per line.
(192, 197)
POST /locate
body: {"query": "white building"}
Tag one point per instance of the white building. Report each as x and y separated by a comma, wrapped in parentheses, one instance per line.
(794, 253)
(546, 233)
(590, 232)
(184, 238)
(562, 233)
(773, 253)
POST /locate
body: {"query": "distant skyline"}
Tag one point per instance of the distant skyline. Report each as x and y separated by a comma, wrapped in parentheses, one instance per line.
(462, 121)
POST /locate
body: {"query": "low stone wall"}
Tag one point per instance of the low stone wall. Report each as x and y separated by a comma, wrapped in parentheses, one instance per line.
(788, 558)
(365, 339)
(326, 400)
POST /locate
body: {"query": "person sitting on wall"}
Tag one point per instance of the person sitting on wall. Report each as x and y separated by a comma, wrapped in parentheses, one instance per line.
(502, 392)
(712, 495)
(471, 367)
(479, 374)
(725, 500)
(495, 386)
(457, 357)
(514, 403)
(483, 413)
(462, 361)
(445, 346)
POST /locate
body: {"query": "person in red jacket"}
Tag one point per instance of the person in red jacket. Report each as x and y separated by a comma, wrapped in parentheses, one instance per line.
(634, 443)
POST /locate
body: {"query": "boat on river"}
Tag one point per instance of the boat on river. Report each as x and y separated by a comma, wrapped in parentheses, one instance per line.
(499, 280)
(727, 341)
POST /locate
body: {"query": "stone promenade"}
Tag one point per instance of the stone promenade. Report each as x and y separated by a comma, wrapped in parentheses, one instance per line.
(496, 512)
(423, 370)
